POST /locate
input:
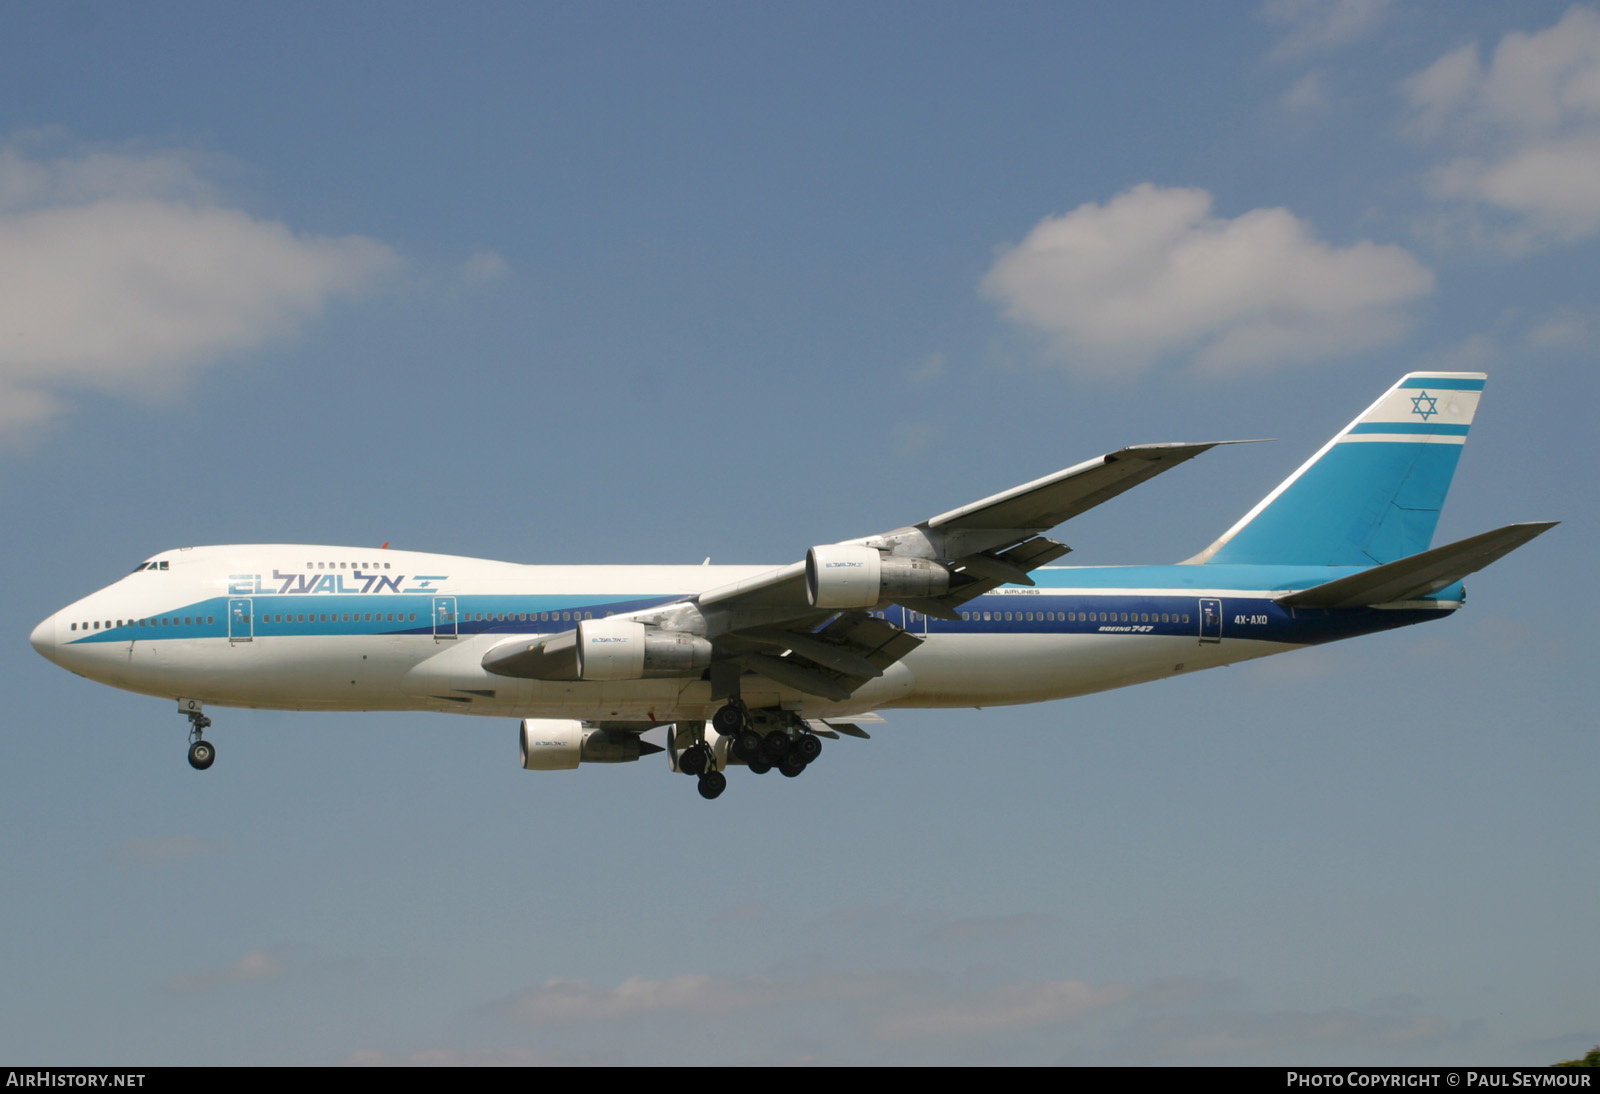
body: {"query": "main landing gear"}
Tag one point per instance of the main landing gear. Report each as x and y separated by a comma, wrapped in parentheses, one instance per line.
(762, 740)
(698, 760)
(202, 753)
(788, 746)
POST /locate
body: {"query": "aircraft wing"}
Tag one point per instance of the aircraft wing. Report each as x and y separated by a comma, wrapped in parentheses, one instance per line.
(982, 536)
(1047, 502)
(792, 626)
(820, 625)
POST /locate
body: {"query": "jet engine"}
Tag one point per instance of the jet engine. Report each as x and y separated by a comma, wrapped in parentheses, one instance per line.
(623, 649)
(560, 744)
(843, 575)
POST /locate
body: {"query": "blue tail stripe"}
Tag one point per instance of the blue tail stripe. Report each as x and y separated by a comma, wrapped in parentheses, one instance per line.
(1417, 429)
(1448, 383)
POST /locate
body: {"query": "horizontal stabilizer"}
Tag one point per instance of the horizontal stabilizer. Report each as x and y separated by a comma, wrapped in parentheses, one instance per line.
(1418, 575)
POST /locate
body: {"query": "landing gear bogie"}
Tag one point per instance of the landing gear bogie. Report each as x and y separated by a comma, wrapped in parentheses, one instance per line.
(763, 740)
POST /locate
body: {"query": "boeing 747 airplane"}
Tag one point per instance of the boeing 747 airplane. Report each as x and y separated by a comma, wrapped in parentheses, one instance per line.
(959, 610)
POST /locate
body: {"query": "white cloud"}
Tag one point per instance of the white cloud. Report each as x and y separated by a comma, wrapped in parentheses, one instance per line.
(1563, 329)
(166, 850)
(1308, 93)
(1474, 353)
(1004, 1009)
(927, 370)
(1554, 186)
(255, 965)
(484, 265)
(1313, 26)
(965, 931)
(1153, 271)
(1249, 1035)
(560, 1001)
(1525, 129)
(121, 272)
(1534, 83)
(910, 439)
(892, 1006)
(515, 1056)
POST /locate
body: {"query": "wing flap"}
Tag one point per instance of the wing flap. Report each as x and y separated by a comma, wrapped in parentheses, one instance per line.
(853, 648)
(833, 727)
(995, 571)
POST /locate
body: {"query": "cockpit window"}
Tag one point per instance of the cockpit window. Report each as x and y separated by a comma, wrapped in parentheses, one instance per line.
(161, 565)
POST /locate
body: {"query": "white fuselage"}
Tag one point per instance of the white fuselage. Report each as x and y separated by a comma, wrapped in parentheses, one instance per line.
(326, 628)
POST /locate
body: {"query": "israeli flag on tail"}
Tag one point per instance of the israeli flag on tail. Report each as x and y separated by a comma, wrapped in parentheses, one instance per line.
(1371, 495)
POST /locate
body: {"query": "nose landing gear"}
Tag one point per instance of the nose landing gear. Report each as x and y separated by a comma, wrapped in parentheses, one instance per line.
(202, 753)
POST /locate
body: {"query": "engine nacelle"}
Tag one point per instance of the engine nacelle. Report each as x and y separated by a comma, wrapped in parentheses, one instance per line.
(625, 649)
(843, 575)
(560, 744)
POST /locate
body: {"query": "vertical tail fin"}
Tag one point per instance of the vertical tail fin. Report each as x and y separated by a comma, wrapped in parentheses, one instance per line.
(1373, 493)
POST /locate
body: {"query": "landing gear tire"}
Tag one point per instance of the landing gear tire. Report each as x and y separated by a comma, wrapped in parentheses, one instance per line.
(694, 761)
(791, 768)
(807, 747)
(712, 784)
(729, 720)
(759, 767)
(747, 745)
(775, 749)
(202, 754)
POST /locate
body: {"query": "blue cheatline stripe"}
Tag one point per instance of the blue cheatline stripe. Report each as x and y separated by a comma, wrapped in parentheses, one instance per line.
(292, 615)
(1446, 382)
(1077, 606)
(1169, 613)
(1412, 427)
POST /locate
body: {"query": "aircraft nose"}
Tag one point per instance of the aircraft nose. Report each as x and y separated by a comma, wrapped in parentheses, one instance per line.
(44, 638)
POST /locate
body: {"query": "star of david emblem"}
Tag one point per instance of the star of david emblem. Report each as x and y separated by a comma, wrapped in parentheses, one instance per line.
(1426, 405)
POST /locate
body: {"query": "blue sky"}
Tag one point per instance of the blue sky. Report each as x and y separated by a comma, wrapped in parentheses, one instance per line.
(647, 283)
